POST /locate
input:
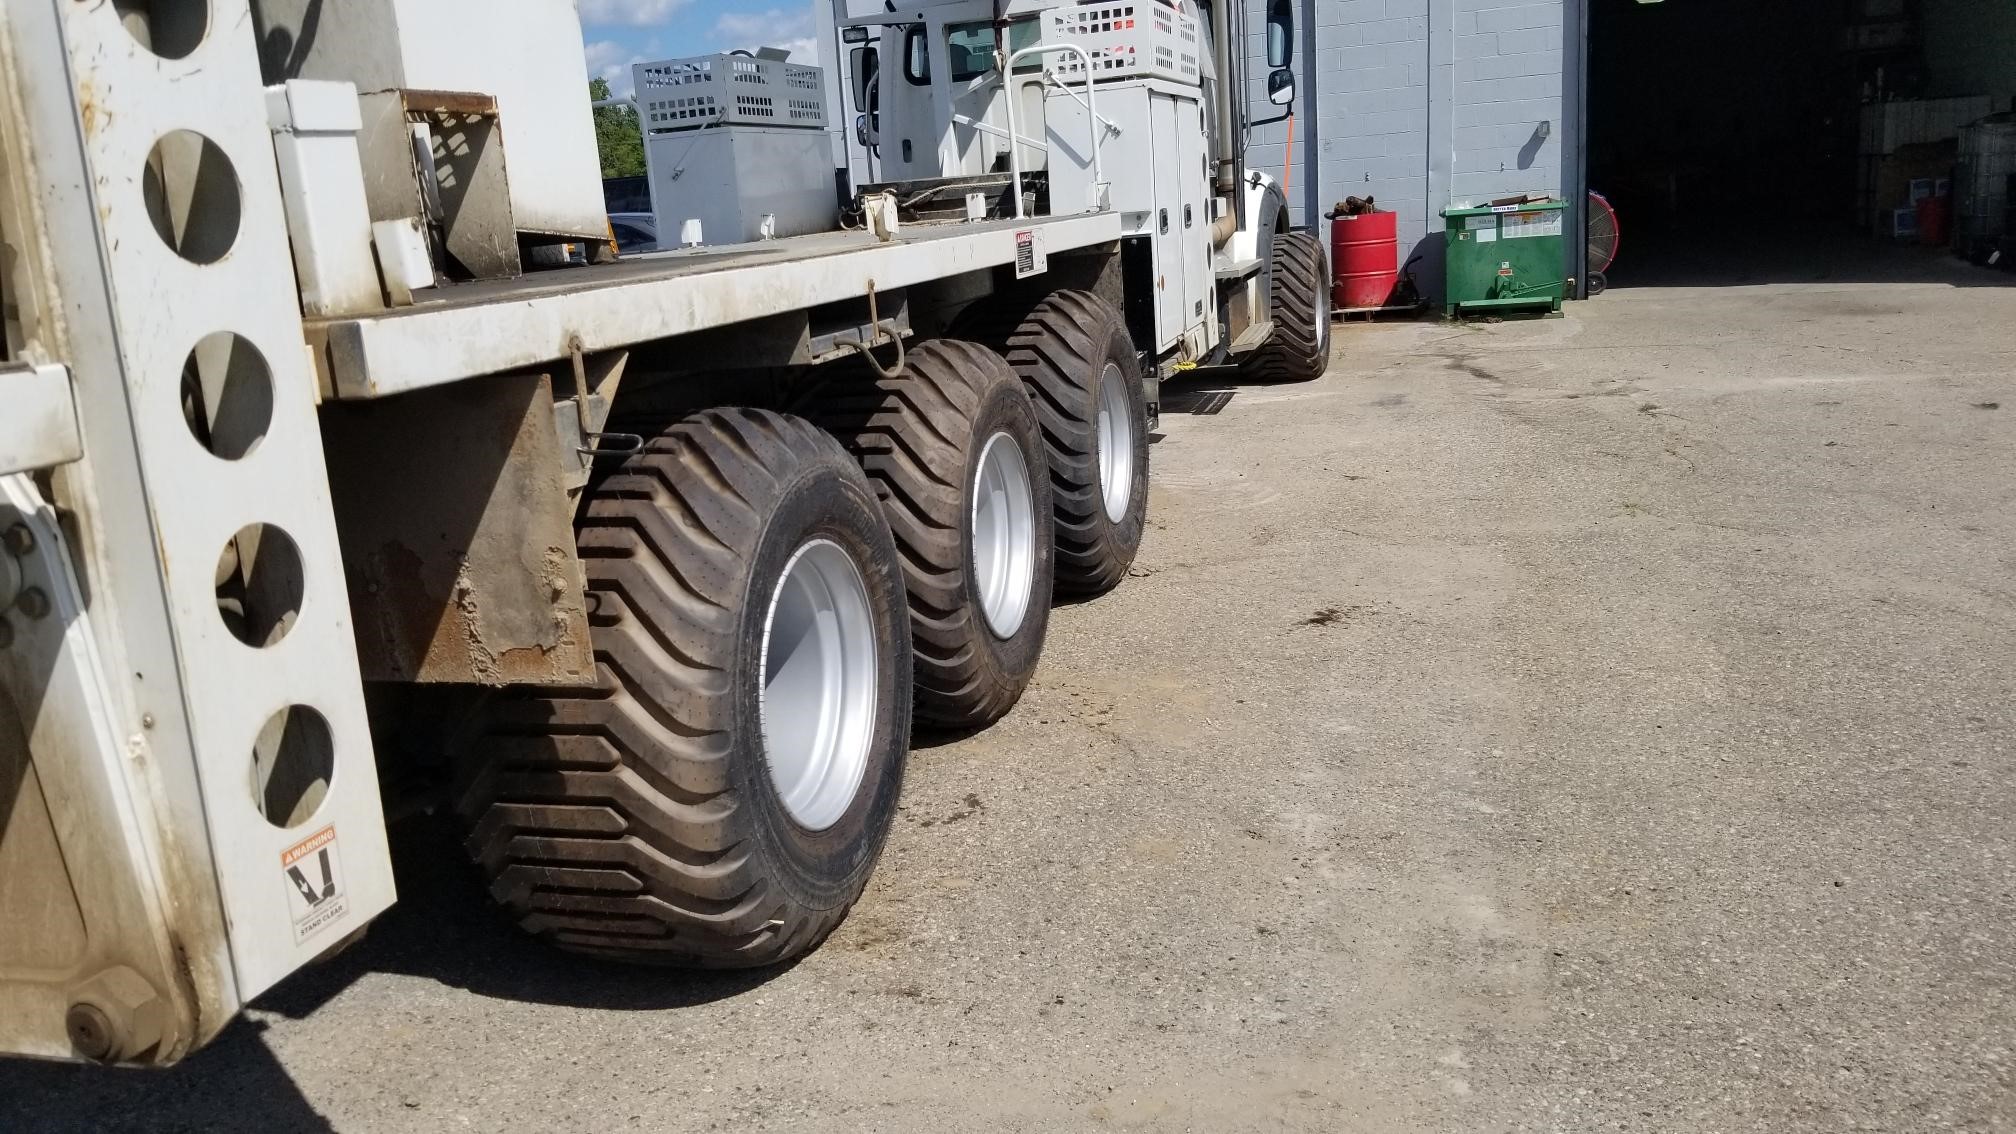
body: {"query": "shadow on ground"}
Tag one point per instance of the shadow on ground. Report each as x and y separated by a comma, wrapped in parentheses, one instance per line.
(236, 1084)
(445, 928)
(1206, 391)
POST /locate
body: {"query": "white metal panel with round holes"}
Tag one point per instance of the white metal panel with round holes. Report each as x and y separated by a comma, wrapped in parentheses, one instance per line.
(113, 755)
(178, 151)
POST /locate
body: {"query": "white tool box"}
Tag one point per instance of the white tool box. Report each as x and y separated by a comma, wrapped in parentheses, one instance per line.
(1128, 39)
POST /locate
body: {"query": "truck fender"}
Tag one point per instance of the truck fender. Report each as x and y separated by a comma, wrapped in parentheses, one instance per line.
(1266, 213)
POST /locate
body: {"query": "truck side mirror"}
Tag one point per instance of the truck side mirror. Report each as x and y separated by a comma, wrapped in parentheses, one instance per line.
(1280, 33)
(865, 131)
(1281, 87)
(864, 67)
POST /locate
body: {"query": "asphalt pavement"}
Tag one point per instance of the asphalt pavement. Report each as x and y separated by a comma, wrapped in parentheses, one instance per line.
(1599, 723)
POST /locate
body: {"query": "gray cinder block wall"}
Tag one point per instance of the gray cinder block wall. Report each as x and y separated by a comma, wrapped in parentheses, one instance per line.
(1424, 103)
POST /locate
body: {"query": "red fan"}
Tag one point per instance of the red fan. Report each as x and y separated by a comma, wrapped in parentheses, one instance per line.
(1602, 241)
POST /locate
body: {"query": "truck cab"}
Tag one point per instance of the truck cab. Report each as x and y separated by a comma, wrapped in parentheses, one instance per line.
(1150, 120)
(937, 108)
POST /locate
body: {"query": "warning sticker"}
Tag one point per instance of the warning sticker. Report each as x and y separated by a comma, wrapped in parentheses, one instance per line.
(1505, 267)
(1029, 257)
(1485, 229)
(1533, 224)
(314, 876)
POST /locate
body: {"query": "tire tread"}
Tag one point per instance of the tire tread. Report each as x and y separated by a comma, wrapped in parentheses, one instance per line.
(907, 432)
(1059, 348)
(1296, 351)
(605, 816)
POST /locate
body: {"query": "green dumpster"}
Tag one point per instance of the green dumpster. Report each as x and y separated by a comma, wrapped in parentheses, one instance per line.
(1505, 258)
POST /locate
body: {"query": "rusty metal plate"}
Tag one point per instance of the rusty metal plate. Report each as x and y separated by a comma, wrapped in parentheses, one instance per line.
(458, 537)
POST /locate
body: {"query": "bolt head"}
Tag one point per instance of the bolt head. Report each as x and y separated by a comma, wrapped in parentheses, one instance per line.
(33, 602)
(91, 1031)
(116, 1015)
(18, 540)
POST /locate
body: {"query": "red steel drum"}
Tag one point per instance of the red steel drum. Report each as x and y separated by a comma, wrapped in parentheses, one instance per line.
(1366, 251)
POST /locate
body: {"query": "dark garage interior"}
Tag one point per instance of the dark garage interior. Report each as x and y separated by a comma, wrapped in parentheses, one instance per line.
(1794, 140)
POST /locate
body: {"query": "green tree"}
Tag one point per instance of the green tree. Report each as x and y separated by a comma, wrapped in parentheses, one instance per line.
(618, 138)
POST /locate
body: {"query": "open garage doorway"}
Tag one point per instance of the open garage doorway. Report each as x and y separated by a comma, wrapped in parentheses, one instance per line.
(1787, 141)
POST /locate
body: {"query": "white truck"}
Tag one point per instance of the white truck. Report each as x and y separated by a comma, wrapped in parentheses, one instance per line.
(332, 486)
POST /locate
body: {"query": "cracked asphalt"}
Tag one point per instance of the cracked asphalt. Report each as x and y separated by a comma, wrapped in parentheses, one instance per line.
(1601, 723)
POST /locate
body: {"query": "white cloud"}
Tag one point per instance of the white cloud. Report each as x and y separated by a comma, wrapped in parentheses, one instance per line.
(636, 13)
(775, 27)
(610, 60)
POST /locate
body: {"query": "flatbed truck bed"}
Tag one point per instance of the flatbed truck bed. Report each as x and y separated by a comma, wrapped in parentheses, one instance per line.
(467, 330)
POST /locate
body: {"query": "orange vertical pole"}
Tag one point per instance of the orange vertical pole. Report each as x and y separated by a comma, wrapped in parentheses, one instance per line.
(1288, 163)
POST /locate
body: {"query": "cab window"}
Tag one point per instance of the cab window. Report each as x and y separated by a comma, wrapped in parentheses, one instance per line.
(916, 57)
(971, 49)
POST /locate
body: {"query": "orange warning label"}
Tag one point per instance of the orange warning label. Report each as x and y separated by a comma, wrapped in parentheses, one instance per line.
(312, 871)
(307, 846)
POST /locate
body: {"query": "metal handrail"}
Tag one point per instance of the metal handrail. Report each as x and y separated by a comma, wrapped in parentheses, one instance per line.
(1050, 77)
(1091, 117)
(998, 132)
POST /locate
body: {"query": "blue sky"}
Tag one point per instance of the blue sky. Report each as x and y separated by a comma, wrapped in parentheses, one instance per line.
(622, 32)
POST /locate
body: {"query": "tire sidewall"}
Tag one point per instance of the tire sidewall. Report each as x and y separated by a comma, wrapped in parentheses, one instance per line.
(1297, 304)
(1320, 289)
(1005, 408)
(1126, 531)
(824, 869)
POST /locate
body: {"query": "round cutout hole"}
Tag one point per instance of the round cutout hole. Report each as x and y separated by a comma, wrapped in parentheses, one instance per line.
(227, 395)
(168, 28)
(293, 762)
(259, 584)
(192, 196)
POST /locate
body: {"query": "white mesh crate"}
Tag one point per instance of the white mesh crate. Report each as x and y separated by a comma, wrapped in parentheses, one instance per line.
(728, 90)
(1126, 39)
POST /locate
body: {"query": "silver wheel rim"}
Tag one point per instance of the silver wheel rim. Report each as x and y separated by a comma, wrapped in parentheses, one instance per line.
(1004, 535)
(1322, 310)
(1116, 443)
(818, 680)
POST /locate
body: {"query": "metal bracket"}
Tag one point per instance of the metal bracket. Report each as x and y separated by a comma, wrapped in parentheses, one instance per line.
(878, 329)
(579, 416)
(629, 443)
(38, 427)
